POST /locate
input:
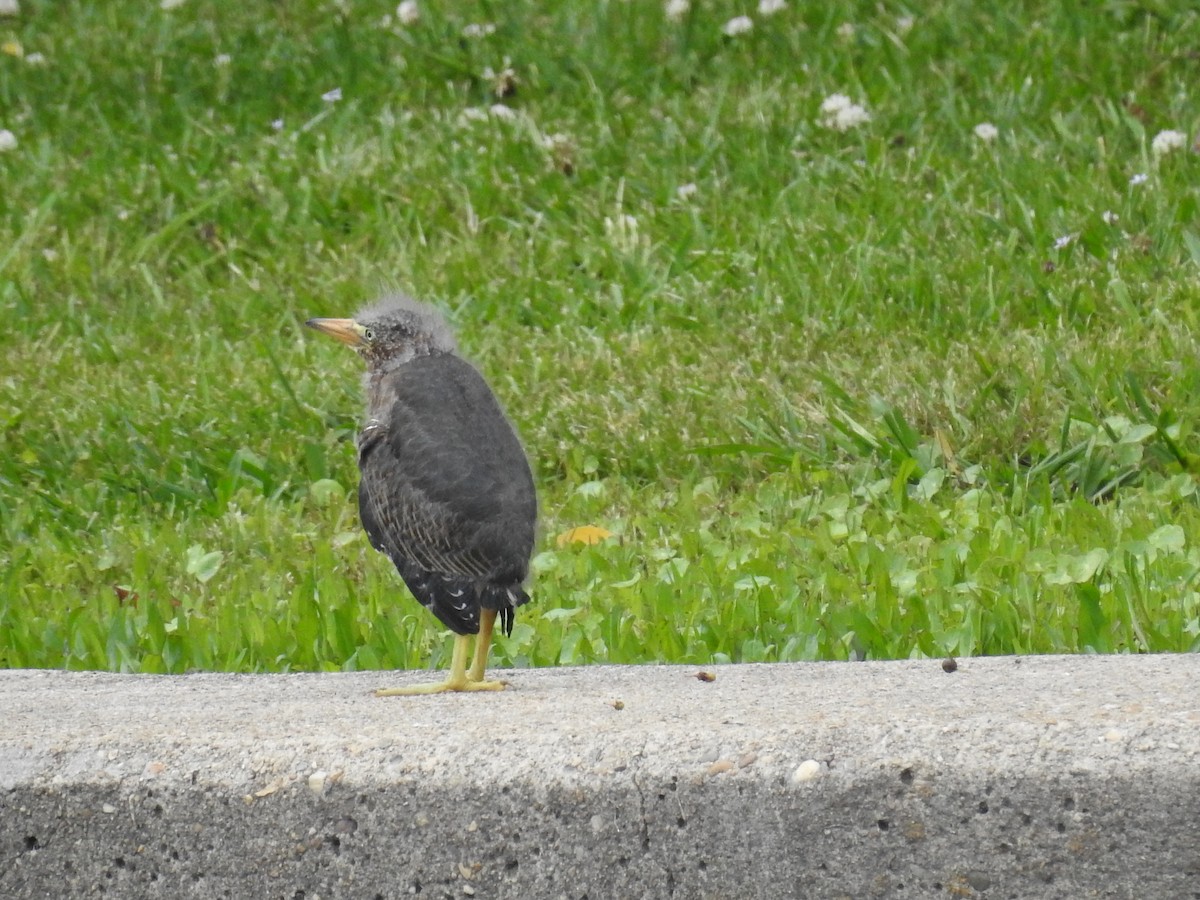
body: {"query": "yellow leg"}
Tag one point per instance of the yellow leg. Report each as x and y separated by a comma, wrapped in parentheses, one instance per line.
(456, 680)
(483, 644)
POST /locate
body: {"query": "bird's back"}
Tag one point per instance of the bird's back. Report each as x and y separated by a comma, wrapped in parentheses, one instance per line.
(446, 489)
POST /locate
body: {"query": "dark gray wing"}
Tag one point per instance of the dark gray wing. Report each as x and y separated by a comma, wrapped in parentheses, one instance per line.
(446, 489)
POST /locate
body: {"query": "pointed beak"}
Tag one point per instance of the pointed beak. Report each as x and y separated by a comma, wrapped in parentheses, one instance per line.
(345, 330)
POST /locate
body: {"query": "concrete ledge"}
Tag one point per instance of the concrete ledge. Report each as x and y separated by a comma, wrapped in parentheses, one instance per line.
(1009, 778)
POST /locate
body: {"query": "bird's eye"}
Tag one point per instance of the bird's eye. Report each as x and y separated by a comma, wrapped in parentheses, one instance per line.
(369, 334)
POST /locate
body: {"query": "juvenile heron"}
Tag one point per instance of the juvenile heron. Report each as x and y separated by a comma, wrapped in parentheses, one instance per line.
(446, 490)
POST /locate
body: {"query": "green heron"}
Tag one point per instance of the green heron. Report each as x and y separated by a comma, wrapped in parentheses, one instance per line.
(446, 490)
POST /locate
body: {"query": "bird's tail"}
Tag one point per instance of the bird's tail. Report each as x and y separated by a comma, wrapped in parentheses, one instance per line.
(504, 600)
(456, 601)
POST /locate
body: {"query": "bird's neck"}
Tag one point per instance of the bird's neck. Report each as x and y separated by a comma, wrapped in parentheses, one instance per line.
(376, 380)
(375, 385)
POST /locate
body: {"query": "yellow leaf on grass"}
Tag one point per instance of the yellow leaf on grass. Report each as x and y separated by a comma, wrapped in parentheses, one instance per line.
(584, 534)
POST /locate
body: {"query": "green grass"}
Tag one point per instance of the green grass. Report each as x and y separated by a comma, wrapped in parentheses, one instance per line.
(846, 399)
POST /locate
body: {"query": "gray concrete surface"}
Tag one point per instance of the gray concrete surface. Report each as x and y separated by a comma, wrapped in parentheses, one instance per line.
(1009, 778)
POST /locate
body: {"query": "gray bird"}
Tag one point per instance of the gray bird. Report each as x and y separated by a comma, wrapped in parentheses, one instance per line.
(446, 490)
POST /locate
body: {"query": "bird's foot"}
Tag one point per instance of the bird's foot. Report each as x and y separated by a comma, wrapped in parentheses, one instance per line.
(459, 678)
(441, 687)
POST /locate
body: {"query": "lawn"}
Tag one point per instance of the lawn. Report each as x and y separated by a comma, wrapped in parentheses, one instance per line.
(868, 330)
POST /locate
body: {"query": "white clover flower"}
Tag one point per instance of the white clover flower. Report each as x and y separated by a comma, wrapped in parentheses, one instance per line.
(171, 4)
(502, 112)
(986, 131)
(1065, 241)
(222, 60)
(842, 114)
(1139, 178)
(475, 30)
(504, 83)
(1109, 217)
(332, 96)
(472, 114)
(277, 124)
(408, 12)
(835, 102)
(686, 191)
(904, 24)
(846, 31)
(851, 117)
(560, 148)
(10, 8)
(675, 10)
(770, 7)
(1166, 141)
(622, 230)
(737, 25)
(8, 140)
(36, 59)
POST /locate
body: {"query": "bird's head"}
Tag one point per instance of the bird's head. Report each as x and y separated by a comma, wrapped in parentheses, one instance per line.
(393, 331)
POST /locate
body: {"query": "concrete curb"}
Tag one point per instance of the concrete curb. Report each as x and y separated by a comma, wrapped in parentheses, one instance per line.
(1009, 778)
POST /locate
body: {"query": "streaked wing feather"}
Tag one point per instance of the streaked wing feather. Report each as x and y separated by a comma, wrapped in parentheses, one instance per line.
(407, 523)
(445, 475)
